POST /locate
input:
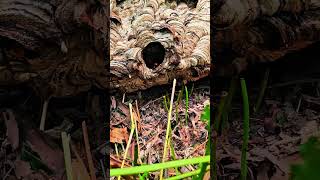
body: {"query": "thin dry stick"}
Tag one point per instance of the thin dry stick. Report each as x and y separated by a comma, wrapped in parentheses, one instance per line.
(138, 116)
(168, 127)
(44, 114)
(130, 137)
(88, 152)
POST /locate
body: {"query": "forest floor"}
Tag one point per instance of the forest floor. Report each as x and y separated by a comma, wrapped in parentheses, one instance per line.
(288, 116)
(189, 135)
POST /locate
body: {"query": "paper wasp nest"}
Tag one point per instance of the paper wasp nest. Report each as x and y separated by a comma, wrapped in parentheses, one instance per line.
(154, 41)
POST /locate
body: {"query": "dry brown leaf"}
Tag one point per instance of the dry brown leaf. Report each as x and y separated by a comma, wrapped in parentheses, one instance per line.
(124, 109)
(311, 128)
(206, 176)
(22, 168)
(185, 135)
(51, 156)
(266, 154)
(12, 128)
(39, 176)
(79, 171)
(116, 163)
(263, 170)
(117, 135)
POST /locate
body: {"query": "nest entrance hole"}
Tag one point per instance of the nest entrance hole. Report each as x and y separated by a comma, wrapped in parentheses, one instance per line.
(153, 54)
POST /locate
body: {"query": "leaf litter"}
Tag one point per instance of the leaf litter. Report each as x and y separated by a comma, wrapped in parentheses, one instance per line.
(188, 137)
(276, 133)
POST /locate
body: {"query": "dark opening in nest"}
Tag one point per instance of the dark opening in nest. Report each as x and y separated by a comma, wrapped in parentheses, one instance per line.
(153, 54)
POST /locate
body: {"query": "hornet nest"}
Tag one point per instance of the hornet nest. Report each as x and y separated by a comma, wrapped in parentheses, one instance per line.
(155, 41)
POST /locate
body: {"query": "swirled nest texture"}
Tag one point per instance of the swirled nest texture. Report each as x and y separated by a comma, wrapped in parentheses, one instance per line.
(176, 36)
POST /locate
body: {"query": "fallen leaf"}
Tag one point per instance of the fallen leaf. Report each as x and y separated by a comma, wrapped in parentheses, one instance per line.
(52, 157)
(79, 171)
(22, 168)
(116, 163)
(124, 109)
(263, 170)
(12, 128)
(117, 135)
(311, 128)
(266, 154)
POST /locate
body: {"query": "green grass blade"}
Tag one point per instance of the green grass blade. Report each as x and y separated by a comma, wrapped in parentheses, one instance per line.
(188, 174)
(168, 126)
(187, 104)
(159, 166)
(246, 127)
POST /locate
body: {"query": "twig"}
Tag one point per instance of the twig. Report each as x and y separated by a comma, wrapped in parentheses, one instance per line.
(44, 114)
(299, 104)
(88, 152)
(138, 116)
(168, 127)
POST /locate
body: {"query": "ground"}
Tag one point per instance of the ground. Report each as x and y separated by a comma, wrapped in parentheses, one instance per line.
(189, 134)
(288, 117)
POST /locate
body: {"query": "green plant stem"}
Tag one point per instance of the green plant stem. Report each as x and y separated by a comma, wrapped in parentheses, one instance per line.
(262, 91)
(187, 104)
(165, 103)
(203, 166)
(173, 155)
(155, 167)
(130, 137)
(221, 116)
(245, 129)
(168, 126)
(188, 174)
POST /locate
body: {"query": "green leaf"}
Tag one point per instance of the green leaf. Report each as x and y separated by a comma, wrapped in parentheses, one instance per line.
(205, 116)
(309, 170)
